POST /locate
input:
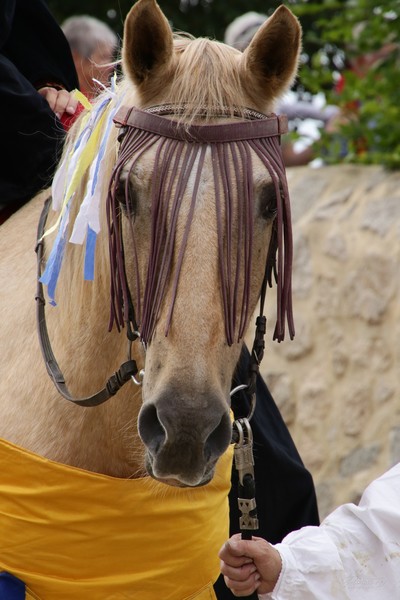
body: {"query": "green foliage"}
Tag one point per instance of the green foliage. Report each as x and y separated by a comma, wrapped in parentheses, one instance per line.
(369, 131)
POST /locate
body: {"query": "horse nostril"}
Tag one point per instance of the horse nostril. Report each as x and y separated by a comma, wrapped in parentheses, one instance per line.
(219, 439)
(151, 431)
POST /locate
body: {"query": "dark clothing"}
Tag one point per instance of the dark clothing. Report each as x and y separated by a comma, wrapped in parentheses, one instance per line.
(33, 52)
(285, 493)
(11, 588)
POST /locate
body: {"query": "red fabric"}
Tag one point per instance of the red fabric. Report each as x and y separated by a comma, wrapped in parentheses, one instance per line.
(351, 108)
(68, 120)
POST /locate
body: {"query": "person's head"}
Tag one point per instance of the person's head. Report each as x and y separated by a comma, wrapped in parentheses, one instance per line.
(240, 32)
(93, 45)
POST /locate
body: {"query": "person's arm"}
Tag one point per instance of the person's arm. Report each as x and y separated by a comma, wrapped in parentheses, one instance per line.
(353, 555)
(296, 159)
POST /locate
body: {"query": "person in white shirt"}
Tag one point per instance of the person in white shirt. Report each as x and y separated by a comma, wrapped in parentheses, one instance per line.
(353, 555)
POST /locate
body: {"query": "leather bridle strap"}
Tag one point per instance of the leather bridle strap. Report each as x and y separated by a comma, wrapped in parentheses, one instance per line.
(258, 348)
(114, 383)
(273, 125)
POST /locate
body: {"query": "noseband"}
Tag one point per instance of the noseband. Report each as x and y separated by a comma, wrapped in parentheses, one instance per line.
(139, 131)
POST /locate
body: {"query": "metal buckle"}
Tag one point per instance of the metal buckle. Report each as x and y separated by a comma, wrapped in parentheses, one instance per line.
(138, 382)
(244, 463)
(241, 387)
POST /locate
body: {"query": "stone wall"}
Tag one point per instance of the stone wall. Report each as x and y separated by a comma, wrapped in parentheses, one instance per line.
(338, 382)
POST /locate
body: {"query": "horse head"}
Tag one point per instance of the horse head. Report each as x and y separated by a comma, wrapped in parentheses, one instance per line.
(197, 207)
(192, 342)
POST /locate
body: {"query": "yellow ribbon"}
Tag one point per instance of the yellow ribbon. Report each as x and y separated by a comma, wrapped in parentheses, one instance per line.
(86, 157)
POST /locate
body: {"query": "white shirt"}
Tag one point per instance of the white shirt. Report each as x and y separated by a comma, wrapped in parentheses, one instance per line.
(353, 555)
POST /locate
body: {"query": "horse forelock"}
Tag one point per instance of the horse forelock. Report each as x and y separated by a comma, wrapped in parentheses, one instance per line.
(205, 76)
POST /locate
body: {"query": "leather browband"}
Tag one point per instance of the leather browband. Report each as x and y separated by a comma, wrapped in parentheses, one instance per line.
(272, 125)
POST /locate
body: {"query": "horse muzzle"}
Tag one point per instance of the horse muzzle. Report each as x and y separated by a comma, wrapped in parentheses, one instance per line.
(184, 438)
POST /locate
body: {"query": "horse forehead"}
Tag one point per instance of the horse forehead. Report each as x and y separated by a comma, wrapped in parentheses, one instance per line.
(142, 170)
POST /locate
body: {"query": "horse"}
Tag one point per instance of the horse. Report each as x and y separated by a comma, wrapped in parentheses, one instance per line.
(171, 215)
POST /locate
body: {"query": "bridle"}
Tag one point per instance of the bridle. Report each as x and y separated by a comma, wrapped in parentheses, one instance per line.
(138, 129)
(255, 126)
(126, 371)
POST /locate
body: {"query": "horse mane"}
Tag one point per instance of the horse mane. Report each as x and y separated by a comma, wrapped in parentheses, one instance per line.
(206, 77)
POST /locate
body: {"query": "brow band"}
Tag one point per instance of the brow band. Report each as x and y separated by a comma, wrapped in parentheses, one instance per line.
(270, 126)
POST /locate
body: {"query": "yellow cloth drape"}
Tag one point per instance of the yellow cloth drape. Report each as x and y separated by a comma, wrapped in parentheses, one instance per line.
(71, 534)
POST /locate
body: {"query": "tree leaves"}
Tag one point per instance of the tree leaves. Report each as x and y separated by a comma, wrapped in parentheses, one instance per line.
(364, 37)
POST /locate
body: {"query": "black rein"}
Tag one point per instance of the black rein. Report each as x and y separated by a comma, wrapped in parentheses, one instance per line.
(114, 383)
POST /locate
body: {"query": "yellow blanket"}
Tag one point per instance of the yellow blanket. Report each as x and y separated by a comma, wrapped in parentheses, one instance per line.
(72, 535)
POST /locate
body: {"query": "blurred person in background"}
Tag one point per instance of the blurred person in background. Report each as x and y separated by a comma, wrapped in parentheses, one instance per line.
(94, 46)
(238, 34)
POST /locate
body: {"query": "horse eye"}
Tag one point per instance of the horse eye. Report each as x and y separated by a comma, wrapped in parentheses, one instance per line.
(126, 197)
(268, 207)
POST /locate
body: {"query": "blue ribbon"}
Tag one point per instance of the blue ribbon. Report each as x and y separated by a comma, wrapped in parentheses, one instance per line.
(53, 266)
(91, 239)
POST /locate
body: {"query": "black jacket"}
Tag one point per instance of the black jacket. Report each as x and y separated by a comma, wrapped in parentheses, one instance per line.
(33, 52)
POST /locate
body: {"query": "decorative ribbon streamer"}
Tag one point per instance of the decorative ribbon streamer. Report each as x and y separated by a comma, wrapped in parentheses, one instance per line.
(54, 262)
(89, 255)
(88, 218)
(87, 153)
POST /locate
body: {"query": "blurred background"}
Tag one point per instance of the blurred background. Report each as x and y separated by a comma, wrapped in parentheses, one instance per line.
(336, 34)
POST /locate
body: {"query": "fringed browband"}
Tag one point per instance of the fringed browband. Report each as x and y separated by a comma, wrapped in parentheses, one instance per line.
(180, 151)
(273, 125)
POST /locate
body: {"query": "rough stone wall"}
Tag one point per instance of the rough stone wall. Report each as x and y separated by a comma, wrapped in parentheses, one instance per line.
(338, 382)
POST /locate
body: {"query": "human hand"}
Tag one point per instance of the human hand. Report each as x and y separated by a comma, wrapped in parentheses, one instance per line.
(60, 101)
(249, 565)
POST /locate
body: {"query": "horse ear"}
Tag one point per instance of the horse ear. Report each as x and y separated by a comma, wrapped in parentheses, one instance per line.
(272, 57)
(148, 42)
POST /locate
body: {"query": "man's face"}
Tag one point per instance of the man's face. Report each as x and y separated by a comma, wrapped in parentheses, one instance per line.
(95, 67)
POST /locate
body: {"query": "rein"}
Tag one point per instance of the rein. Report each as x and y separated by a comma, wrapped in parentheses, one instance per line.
(139, 129)
(126, 371)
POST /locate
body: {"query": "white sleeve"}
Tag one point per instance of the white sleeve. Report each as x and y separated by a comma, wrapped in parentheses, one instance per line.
(353, 555)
